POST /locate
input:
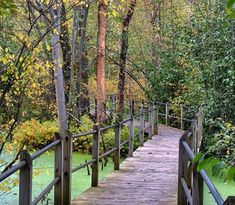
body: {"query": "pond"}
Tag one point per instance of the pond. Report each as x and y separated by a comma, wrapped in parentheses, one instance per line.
(43, 173)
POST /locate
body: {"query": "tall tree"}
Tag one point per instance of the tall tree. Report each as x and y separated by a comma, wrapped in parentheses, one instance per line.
(100, 64)
(123, 57)
(58, 66)
(82, 82)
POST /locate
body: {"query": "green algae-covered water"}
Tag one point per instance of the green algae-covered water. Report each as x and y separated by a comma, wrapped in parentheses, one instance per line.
(43, 174)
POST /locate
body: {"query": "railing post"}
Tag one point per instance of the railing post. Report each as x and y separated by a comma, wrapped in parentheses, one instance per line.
(131, 137)
(67, 167)
(182, 199)
(196, 194)
(142, 125)
(150, 121)
(167, 112)
(25, 187)
(58, 164)
(155, 120)
(182, 117)
(95, 156)
(117, 145)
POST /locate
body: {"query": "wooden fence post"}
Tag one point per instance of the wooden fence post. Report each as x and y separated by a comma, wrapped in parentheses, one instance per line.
(167, 112)
(95, 156)
(117, 145)
(142, 125)
(58, 164)
(196, 194)
(150, 121)
(67, 167)
(25, 192)
(155, 120)
(181, 117)
(182, 199)
(131, 137)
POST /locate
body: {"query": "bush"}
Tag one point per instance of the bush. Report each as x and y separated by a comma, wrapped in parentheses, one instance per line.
(82, 144)
(220, 141)
(33, 134)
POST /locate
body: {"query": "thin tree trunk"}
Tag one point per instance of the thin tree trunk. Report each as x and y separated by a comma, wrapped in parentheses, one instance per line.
(100, 64)
(83, 100)
(156, 36)
(66, 49)
(58, 73)
(73, 58)
(123, 57)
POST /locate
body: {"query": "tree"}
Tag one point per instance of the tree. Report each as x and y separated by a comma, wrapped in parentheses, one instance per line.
(123, 57)
(100, 63)
(58, 73)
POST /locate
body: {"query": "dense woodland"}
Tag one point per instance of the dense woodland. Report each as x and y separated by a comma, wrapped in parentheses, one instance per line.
(58, 56)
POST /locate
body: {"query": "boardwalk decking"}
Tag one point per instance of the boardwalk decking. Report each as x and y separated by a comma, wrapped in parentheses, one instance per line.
(150, 177)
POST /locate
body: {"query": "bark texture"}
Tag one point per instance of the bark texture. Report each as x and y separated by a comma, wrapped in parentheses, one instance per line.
(123, 57)
(58, 73)
(100, 64)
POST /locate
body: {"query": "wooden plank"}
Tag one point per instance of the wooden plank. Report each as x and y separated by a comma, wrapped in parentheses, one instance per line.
(149, 177)
(58, 188)
(118, 131)
(25, 188)
(95, 156)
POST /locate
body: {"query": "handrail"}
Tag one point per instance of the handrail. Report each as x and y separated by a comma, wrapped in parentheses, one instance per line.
(149, 111)
(46, 191)
(84, 134)
(25, 167)
(12, 170)
(46, 148)
(215, 193)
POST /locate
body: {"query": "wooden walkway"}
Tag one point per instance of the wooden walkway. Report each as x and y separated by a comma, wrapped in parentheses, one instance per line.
(150, 177)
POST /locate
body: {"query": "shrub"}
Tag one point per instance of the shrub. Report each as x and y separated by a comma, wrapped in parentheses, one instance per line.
(82, 144)
(220, 141)
(33, 134)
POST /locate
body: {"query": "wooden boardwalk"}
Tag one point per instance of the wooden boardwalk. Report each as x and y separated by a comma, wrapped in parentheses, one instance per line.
(150, 177)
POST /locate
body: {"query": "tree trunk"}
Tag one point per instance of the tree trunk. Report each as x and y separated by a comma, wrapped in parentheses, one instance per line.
(58, 73)
(156, 37)
(100, 64)
(123, 57)
(66, 50)
(73, 59)
(83, 100)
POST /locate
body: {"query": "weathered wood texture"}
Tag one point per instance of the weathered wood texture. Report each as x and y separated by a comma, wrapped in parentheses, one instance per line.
(149, 177)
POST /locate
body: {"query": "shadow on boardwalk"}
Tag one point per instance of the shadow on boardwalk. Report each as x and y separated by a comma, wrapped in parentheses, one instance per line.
(150, 177)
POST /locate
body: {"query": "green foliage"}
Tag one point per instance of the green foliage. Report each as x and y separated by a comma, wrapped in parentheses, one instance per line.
(82, 144)
(220, 141)
(231, 7)
(33, 134)
(219, 149)
(7, 7)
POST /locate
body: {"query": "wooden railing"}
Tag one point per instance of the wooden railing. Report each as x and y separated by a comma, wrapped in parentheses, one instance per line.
(63, 154)
(191, 181)
(147, 114)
